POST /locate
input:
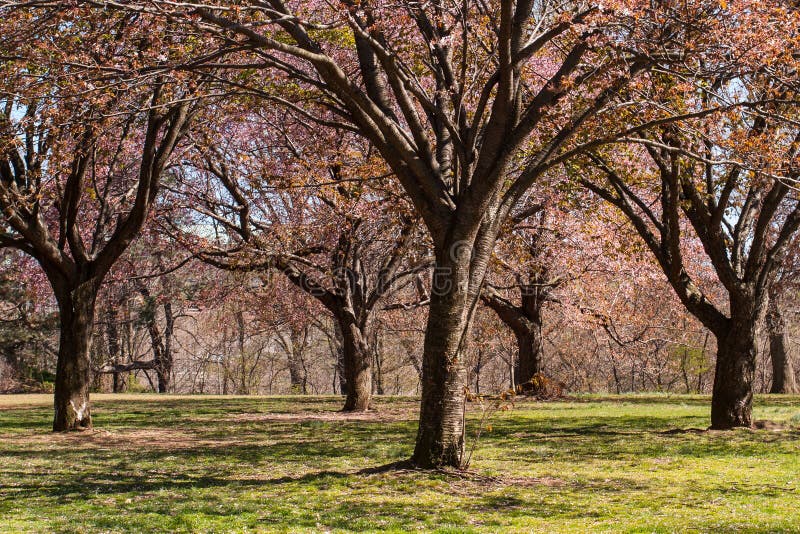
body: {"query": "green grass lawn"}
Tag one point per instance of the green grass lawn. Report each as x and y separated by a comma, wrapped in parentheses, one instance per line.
(216, 464)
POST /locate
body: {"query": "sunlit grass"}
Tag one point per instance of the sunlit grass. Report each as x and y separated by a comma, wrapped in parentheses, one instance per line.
(227, 464)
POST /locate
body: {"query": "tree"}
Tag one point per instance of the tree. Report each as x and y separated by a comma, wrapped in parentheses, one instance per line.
(158, 292)
(783, 373)
(730, 186)
(545, 245)
(469, 104)
(643, 337)
(781, 292)
(114, 326)
(27, 325)
(84, 138)
(525, 319)
(322, 220)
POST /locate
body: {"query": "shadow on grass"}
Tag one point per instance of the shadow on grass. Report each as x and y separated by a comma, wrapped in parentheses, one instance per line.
(625, 438)
(224, 473)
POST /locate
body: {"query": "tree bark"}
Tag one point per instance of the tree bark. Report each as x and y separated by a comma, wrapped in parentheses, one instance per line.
(529, 342)
(357, 368)
(296, 380)
(244, 388)
(165, 361)
(73, 370)
(120, 379)
(297, 375)
(161, 343)
(783, 375)
(339, 338)
(732, 395)
(526, 323)
(377, 365)
(440, 437)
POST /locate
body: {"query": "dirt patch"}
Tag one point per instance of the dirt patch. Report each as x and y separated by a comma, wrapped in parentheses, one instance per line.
(772, 426)
(531, 482)
(99, 439)
(378, 416)
(25, 400)
(679, 431)
(464, 477)
(30, 400)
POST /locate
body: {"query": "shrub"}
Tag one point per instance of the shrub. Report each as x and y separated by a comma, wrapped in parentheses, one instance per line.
(541, 387)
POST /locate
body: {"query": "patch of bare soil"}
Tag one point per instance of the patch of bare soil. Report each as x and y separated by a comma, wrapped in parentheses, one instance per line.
(30, 400)
(25, 400)
(138, 439)
(531, 482)
(377, 416)
(464, 477)
(470, 484)
(771, 426)
(674, 431)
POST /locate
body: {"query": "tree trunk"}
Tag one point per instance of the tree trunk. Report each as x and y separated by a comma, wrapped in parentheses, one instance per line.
(73, 370)
(377, 373)
(244, 388)
(529, 330)
(297, 375)
(296, 380)
(163, 376)
(343, 389)
(783, 377)
(526, 323)
(440, 438)
(165, 361)
(120, 379)
(357, 368)
(732, 396)
(477, 370)
(529, 343)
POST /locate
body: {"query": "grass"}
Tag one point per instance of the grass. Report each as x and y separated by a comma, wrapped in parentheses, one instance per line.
(231, 464)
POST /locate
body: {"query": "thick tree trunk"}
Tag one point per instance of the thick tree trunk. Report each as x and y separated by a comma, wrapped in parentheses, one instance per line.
(163, 376)
(120, 382)
(440, 438)
(73, 370)
(529, 343)
(165, 359)
(120, 379)
(357, 362)
(526, 323)
(528, 331)
(244, 388)
(783, 376)
(377, 366)
(296, 382)
(732, 396)
(343, 388)
(297, 376)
